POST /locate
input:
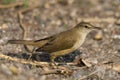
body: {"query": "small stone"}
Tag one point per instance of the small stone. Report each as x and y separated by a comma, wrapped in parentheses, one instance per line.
(47, 5)
(98, 36)
(118, 22)
(73, 13)
(71, 1)
(5, 70)
(4, 26)
(116, 36)
(14, 70)
(58, 22)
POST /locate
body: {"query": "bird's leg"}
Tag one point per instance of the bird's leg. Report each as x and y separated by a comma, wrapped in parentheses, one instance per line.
(53, 63)
(29, 58)
(62, 63)
(52, 58)
(31, 51)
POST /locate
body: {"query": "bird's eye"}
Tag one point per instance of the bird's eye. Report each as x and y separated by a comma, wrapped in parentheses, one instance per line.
(86, 26)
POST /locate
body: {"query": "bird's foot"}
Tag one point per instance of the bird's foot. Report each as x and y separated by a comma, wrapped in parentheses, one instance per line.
(54, 65)
(30, 57)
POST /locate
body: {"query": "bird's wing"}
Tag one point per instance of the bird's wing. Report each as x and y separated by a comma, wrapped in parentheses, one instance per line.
(57, 43)
(44, 41)
(35, 43)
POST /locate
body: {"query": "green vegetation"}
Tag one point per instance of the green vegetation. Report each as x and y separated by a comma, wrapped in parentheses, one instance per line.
(25, 3)
(8, 1)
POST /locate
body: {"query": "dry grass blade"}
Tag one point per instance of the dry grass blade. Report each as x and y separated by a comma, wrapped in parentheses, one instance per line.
(87, 75)
(11, 5)
(35, 63)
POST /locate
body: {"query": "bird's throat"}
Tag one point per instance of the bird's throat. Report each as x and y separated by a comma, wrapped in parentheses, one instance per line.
(80, 39)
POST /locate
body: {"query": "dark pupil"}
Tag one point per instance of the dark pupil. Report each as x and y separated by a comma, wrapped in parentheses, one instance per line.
(86, 26)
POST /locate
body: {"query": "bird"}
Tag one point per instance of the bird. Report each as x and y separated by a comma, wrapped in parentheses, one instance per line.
(62, 43)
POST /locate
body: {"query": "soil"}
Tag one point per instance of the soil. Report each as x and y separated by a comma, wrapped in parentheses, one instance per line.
(53, 17)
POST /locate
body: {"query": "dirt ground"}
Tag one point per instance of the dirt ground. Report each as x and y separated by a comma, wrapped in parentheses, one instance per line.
(54, 16)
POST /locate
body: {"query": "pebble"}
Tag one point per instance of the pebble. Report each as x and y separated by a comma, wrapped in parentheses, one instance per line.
(118, 22)
(4, 26)
(5, 70)
(98, 36)
(116, 37)
(14, 70)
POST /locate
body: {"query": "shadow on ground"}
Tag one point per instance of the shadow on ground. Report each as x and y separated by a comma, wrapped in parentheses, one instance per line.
(45, 57)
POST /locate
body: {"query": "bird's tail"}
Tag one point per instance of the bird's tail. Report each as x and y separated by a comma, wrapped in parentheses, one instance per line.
(29, 42)
(25, 42)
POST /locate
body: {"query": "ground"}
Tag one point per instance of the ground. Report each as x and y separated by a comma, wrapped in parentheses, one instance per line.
(53, 17)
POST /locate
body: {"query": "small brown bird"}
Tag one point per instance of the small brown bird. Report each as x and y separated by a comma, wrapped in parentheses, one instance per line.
(62, 43)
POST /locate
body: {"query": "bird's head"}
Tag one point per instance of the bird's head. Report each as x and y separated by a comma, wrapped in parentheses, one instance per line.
(86, 26)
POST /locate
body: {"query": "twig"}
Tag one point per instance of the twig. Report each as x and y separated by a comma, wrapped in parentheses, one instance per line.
(22, 26)
(59, 70)
(87, 75)
(34, 63)
(11, 5)
(44, 65)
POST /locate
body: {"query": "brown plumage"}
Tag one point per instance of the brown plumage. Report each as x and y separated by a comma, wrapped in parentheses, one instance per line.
(62, 43)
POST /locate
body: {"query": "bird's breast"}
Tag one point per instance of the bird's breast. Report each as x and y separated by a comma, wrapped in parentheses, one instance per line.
(79, 41)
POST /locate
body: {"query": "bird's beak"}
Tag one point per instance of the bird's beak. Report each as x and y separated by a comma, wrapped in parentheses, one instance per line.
(97, 28)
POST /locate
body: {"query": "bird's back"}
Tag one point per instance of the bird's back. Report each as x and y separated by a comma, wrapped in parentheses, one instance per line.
(59, 42)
